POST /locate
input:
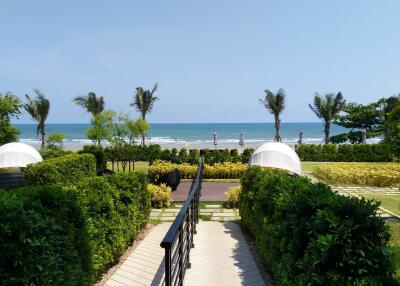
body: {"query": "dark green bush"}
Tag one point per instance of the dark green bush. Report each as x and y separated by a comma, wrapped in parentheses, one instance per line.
(344, 153)
(69, 235)
(61, 170)
(42, 238)
(194, 157)
(99, 154)
(246, 154)
(309, 235)
(53, 153)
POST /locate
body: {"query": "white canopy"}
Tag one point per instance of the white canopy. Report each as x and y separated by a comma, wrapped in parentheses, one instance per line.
(276, 155)
(18, 155)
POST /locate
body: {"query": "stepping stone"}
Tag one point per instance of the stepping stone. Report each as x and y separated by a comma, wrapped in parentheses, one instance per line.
(171, 210)
(169, 214)
(216, 218)
(166, 218)
(214, 206)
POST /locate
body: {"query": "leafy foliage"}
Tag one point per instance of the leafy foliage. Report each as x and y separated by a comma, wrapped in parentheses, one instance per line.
(327, 109)
(309, 235)
(101, 128)
(232, 197)
(160, 195)
(344, 153)
(10, 107)
(393, 136)
(99, 153)
(61, 170)
(55, 141)
(359, 173)
(38, 108)
(275, 104)
(92, 103)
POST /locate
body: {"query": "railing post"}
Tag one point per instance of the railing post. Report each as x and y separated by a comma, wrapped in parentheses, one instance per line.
(168, 267)
(181, 272)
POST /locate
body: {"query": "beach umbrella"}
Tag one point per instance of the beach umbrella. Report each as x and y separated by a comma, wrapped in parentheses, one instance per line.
(241, 140)
(215, 139)
(301, 141)
(363, 136)
(16, 154)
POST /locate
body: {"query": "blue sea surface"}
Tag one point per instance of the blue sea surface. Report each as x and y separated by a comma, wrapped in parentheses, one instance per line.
(193, 134)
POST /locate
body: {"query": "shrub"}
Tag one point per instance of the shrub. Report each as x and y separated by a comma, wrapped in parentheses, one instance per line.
(387, 175)
(160, 195)
(187, 171)
(246, 154)
(232, 197)
(99, 154)
(309, 235)
(344, 153)
(194, 157)
(53, 153)
(63, 170)
(42, 238)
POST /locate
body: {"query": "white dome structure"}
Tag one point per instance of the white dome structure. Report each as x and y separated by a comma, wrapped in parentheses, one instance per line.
(276, 155)
(14, 155)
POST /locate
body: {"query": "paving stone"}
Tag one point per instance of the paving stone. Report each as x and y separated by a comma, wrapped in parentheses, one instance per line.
(171, 210)
(213, 206)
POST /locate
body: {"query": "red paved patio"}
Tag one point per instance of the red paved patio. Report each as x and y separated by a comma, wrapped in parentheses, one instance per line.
(210, 191)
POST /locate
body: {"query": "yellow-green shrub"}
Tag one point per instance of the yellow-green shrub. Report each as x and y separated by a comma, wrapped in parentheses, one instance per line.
(225, 170)
(160, 195)
(387, 175)
(232, 197)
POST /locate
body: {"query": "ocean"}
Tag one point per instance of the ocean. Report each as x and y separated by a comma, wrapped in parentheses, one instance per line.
(192, 135)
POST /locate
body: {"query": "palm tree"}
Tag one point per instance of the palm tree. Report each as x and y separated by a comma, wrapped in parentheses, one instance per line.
(38, 108)
(91, 103)
(143, 102)
(327, 109)
(275, 104)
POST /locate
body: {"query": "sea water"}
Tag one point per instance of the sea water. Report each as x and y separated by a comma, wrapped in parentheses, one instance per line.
(193, 135)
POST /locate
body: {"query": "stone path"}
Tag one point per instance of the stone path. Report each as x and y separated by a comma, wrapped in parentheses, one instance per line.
(145, 265)
(221, 257)
(213, 212)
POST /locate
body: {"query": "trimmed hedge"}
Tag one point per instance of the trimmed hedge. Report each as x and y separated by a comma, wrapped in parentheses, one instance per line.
(99, 154)
(217, 171)
(344, 153)
(53, 153)
(309, 235)
(61, 170)
(68, 235)
(148, 153)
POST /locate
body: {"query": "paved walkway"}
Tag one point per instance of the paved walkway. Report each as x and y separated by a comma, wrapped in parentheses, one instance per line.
(213, 212)
(210, 191)
(221, 257)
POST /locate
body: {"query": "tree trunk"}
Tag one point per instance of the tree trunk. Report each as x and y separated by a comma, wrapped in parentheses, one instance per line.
(98, 142)
(327, 129)
(143, 139)
(43, 139)
(277, 127)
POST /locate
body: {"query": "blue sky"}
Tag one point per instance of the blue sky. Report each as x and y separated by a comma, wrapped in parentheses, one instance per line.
(212, 59)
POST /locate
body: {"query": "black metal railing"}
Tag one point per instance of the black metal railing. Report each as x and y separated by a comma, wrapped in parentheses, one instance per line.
(179, 239)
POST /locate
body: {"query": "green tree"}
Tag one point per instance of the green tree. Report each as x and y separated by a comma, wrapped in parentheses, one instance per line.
(143, 102)
(102, 126)
(356, 117)
(393, 131)
(91, 103)
(385, 106)
(275, 104)
(38, 108)
(327, 108)
(10, 106)
(55, 141)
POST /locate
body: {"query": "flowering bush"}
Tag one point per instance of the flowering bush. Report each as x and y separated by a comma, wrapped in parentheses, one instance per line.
(387, 175)
(232, 197)
(160, 195)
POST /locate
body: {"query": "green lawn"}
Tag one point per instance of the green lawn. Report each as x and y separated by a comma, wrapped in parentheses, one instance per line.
(389, 202)
(139, 166)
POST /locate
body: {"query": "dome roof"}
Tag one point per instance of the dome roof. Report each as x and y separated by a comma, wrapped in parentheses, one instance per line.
(18, 155)
(276, 155)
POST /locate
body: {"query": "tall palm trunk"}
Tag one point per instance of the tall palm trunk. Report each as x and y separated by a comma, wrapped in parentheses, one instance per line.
(277, 128)
(143, 133)
(43, 134)
(327, 129)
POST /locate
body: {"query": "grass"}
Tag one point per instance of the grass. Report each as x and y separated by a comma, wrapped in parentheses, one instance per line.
(389, 202)
(137, 166)
(394, 242)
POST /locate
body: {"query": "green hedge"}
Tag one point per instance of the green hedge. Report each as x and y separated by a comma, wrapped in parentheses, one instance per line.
(53, 153)
(309, 235)
(69, 235)
(99, 154)
(64, 170)
(344, 153)
(148, 153)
